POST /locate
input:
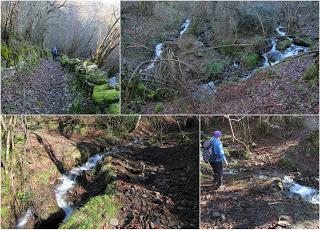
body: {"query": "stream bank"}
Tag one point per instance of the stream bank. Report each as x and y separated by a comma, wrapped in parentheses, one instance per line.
(273, 186)
(74, 169)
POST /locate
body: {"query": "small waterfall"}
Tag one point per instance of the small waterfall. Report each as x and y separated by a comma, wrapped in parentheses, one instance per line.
(69, 181)
(185, 26)
(157, 54)
(280, 31)
(24, 219)
(159, 47)
(308, 194)
(275, 55)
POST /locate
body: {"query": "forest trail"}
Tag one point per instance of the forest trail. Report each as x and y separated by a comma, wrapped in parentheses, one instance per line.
(251, 198)
(155, 182)
(45, 91)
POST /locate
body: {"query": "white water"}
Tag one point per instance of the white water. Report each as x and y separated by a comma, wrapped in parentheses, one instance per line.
(308, 194)
(280, 31)
(185, 26)
(159, 47)
(24, 219)
(68, 181)
(230, 171)
(157, 54)
(293, 50)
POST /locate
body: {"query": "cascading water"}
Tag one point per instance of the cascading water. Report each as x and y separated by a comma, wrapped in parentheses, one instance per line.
(274, 56)
(68, 181)
(24, 219)
(157, 54)
(159, 47)
(308, 194)
(185, 26)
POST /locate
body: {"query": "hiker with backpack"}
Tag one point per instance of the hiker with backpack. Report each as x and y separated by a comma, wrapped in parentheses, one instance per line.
(214, 154)
(54, 52)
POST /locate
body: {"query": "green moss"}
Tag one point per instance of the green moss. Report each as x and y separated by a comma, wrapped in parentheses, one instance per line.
(250, 60)
(151, 95)
(53, 125)
(97, 78)
(64, 60)
(213, 68)
(159, 108)
(140, 89)
(103, 96)
(19, 138)
(5, 52)
(286, 162)
(113, 109)
(284, 44)
(312, 74)
(95, 214)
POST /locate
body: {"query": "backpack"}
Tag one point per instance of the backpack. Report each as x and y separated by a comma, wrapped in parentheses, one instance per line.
(207, 151)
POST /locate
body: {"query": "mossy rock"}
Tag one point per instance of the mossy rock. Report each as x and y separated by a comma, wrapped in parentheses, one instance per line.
(104, 96)
(302, 41)
(7, 55)
(151, 95)
(284, 44)
(113, 109)
(97, 78)
(87, 63)
(5, 52)
(64, 60)
(91, 68)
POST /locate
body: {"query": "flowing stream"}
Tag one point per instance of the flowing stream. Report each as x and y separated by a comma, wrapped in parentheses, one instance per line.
(159, 47)
(308, 194)
(68, 182)
(272, 57)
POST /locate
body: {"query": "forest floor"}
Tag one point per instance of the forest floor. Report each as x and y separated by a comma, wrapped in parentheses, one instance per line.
(250, 201)
(158, 186)
(47, 90)
(156, 181)
(279, 89)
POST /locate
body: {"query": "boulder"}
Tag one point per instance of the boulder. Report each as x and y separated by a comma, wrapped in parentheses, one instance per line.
(301, 42)
(91, 68)
(274, 56)
(97, 78)
(113, 109)
(103, 96)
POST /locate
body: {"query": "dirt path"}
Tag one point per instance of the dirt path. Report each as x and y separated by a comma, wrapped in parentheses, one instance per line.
(251, 197)
(45, 91)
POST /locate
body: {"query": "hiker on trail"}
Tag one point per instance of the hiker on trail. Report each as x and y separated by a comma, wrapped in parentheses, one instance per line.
(54, 52)
(217, 158)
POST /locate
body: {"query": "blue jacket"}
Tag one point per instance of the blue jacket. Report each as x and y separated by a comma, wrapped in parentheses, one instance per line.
(217, 151)
(54, 51)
